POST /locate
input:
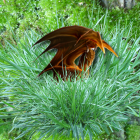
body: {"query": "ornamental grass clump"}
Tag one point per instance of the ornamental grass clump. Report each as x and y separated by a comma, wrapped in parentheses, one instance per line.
(80, 108)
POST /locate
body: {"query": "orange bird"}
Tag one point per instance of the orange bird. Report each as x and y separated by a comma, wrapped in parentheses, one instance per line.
(72, 42)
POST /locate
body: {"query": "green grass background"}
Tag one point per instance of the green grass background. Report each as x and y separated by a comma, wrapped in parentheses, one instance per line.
(104, 106)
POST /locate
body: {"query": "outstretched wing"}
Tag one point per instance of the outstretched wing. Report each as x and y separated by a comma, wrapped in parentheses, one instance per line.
(66, 55)
(70, 31)
(70, 43)
(62, 35)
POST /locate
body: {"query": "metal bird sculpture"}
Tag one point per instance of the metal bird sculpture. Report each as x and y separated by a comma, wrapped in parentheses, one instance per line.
(72, 42)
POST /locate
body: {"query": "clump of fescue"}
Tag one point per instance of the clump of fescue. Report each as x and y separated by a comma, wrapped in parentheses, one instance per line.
(88, 106)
